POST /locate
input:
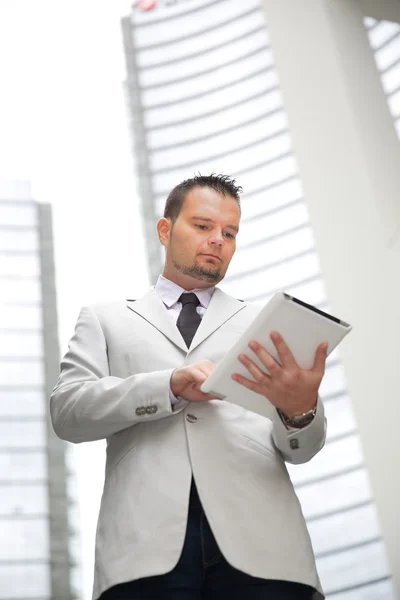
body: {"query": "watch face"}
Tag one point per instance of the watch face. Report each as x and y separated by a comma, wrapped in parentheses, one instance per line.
(303, 419)
(300, 420)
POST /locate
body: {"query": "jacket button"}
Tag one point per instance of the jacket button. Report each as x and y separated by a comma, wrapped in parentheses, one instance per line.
(149, 410)
(140, 410)
(294, 444)
(191, 418)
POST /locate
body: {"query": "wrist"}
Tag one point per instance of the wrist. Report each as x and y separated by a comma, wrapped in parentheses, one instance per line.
(297, 411)
(174, 388)
(299, 417)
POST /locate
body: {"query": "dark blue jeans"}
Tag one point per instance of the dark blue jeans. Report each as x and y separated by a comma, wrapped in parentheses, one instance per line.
(202, 573)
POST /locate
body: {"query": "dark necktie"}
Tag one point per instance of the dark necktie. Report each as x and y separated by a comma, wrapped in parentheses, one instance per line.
(189, 319)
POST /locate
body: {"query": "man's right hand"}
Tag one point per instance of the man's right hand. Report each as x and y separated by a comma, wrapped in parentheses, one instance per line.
(186, 381)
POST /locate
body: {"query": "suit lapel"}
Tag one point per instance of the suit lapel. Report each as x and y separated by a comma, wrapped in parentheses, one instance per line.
(151, 308)
(221, 308)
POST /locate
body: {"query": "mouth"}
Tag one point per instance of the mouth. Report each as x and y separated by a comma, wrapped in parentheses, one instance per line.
(212, 256)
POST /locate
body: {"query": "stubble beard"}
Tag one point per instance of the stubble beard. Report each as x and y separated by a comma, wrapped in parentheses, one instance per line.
(210, 274)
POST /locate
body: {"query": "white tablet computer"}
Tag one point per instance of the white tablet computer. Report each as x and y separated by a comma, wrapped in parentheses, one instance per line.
(302, 326)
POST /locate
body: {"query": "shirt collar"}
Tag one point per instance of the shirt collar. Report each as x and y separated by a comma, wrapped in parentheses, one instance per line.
(169, 292)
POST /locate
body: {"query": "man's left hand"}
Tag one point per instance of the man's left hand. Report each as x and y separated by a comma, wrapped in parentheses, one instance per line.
(289, 388)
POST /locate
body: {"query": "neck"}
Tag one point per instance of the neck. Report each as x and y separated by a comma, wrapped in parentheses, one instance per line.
(185, 281)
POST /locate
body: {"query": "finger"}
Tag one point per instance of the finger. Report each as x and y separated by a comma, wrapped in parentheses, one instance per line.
(207, 369)
(247, 383)
(198, 376)
(320, 358)
(203, 395)
(209, 397)
(258, 375)
(285, 356)
(265, 357)
(206, 364)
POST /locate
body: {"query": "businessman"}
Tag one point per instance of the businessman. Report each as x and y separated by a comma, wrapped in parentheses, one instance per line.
(197, 501)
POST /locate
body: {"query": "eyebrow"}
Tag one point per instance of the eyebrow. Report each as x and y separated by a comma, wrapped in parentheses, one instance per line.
(211, 221)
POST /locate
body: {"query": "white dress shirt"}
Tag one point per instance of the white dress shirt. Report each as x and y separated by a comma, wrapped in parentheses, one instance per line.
(170, 292)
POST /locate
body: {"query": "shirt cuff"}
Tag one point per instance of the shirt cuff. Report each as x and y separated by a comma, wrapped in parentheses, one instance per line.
(173, 399)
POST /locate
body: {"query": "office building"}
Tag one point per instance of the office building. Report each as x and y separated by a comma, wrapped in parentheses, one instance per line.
(37, 540)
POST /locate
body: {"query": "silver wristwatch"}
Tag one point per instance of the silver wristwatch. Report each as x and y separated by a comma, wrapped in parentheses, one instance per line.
(299, 420)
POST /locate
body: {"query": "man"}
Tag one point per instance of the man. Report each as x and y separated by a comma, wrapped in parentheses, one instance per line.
(197, 501)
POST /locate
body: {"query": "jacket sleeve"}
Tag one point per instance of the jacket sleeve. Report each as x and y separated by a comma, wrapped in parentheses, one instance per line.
(88, 404)
(298, 446)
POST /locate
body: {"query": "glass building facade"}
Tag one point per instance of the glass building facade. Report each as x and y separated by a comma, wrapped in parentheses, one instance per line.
(36, 540)
(384, 38)
(203, 96)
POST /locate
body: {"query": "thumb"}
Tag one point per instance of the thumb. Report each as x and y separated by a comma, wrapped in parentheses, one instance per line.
(320, 358)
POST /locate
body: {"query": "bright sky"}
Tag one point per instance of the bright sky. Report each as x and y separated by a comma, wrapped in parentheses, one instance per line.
(64, 126)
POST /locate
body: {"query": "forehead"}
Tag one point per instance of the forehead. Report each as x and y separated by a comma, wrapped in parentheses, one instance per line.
(205, 201)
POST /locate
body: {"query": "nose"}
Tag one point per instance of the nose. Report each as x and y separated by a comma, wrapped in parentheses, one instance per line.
(216, 239)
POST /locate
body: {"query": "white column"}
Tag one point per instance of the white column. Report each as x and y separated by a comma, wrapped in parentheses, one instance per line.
(349, 160)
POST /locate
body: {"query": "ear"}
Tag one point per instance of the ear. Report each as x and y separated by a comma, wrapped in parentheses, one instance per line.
(163, 230)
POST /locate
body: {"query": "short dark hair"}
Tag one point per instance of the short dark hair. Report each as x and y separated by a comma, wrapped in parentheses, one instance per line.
(220, 183)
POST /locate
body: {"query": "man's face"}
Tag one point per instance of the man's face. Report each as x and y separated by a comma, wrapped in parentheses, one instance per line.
(202, 240)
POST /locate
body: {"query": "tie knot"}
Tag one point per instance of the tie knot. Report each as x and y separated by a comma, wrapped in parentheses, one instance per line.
(189, 298)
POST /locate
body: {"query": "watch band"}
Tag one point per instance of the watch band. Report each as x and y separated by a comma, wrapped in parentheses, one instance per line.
(299, 420)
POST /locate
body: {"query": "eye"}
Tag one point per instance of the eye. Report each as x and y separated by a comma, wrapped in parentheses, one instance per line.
(202, 227)
(229, 235)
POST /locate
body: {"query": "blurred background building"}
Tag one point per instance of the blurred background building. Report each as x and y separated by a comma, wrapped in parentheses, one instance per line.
(204, 95)
(37, 541)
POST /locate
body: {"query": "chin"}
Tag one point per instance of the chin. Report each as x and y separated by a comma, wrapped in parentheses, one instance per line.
(211, 276)
(203, 273)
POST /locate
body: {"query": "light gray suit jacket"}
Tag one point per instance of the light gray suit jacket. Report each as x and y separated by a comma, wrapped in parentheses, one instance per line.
(114, 384)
